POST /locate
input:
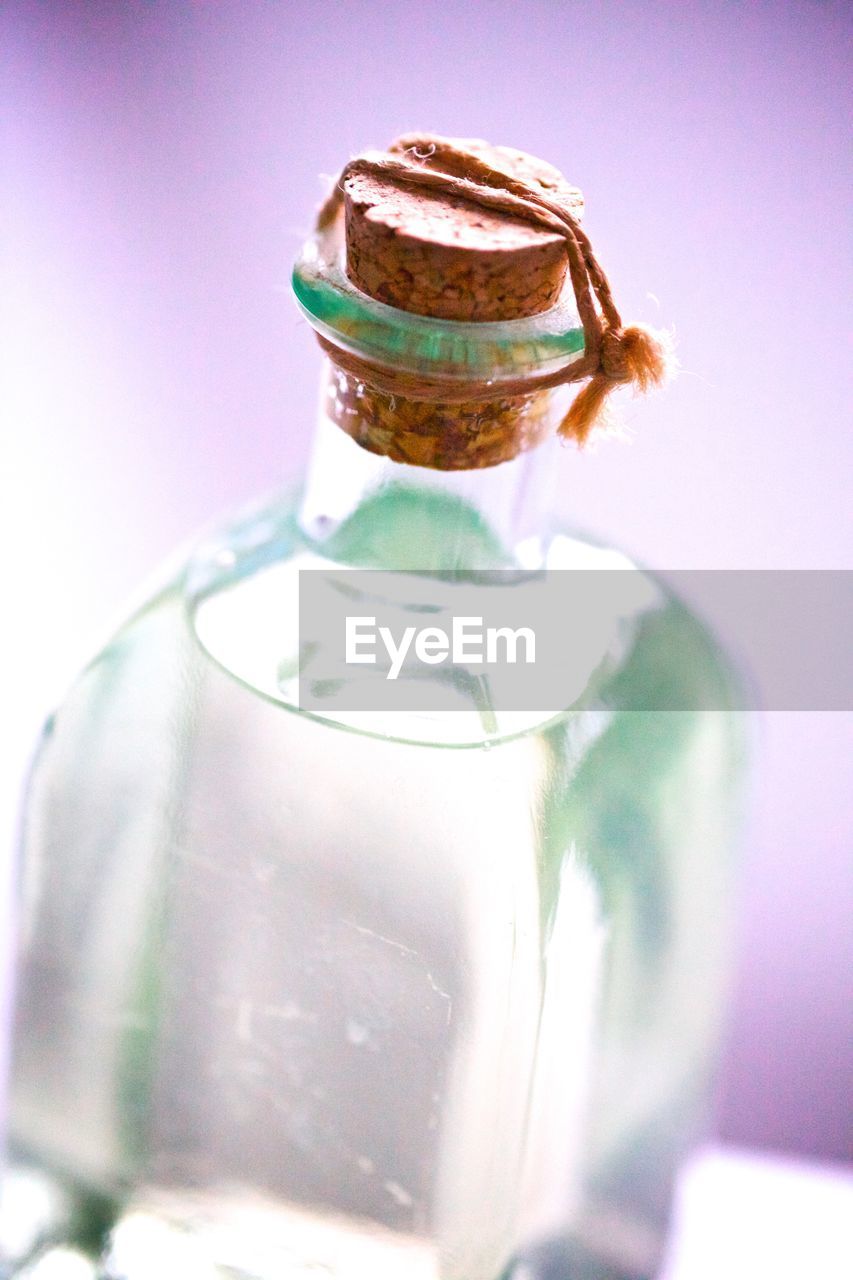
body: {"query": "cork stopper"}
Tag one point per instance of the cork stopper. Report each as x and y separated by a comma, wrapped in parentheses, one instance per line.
(458, 231)
(441, 255)
(428, 248)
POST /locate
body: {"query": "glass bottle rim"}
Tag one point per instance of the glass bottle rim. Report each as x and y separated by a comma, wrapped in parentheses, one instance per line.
(453, 350)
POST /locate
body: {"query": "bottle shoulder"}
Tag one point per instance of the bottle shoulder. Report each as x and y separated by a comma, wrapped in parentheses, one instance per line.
(234, 599)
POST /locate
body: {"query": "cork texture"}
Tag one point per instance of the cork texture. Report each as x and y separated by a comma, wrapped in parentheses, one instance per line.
(443, 256)
(425, 433)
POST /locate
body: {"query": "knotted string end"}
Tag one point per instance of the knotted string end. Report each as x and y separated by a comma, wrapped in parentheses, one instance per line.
(636, 356)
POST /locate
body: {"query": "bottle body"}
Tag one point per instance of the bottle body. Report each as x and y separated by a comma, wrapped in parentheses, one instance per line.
(300, 999)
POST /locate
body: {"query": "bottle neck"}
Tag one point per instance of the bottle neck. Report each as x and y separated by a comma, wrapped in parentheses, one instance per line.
(474, 517)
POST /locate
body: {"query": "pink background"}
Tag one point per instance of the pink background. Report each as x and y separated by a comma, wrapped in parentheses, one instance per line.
(160, 165)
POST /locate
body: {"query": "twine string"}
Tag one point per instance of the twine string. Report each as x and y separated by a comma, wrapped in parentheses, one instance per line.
(613, 354)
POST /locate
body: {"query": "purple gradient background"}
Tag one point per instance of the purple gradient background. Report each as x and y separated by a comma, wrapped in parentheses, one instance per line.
(160, 165)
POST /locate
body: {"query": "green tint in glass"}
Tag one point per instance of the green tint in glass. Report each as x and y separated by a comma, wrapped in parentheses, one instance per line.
(494, 350)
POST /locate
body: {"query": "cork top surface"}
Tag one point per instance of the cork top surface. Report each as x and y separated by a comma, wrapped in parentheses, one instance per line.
(523, 166)
(441, 220)
(442, 255)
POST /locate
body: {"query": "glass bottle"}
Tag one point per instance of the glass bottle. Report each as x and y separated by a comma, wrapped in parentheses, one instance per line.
(424, 997)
